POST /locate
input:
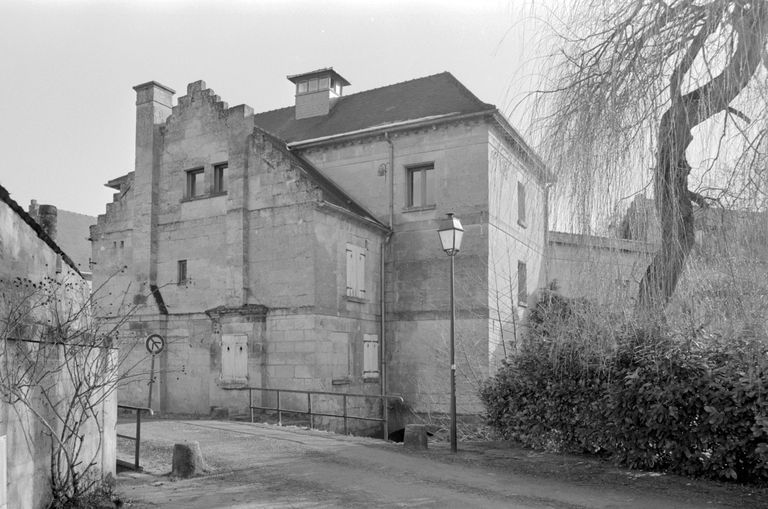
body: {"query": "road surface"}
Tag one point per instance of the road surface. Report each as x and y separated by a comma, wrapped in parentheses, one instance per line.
(265, 466)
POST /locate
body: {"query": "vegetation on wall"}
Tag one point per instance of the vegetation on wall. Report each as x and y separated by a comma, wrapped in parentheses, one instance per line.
(58, 370)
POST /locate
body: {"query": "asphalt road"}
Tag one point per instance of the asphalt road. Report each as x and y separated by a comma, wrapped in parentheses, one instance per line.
(264, 466)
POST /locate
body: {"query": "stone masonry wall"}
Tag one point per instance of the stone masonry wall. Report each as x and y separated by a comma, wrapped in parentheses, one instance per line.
(265, 259)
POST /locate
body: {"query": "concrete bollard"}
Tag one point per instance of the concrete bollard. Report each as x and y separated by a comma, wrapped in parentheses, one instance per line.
(187, 460)
(415, 436)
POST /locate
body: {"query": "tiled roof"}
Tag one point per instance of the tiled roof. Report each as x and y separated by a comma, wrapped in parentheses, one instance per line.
(432, 96)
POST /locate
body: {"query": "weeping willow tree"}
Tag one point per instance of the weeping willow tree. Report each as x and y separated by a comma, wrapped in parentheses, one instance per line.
(646, 87)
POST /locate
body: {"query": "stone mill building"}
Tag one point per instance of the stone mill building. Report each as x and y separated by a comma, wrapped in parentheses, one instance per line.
(297, 248)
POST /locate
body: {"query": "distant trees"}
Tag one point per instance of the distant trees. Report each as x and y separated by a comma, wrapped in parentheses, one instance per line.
(633, 84)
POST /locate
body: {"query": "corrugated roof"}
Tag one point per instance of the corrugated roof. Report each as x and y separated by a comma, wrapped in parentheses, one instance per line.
(431, 96)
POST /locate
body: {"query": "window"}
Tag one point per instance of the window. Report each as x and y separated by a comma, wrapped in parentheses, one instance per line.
(521, 204)
(220, 179)
(195, 186)
(301, 88)
(419, 181)
(234, 358)
(355, 271)
(313, 85)
(181, 272)
(370, 357)
(522, 284)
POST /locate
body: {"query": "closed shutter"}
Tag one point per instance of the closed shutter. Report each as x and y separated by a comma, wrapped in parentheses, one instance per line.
(234, 358)
(370, 356)
(360, 269)
(351, 275)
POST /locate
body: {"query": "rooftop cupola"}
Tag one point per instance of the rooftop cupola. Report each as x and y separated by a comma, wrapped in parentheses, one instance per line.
(316, 91)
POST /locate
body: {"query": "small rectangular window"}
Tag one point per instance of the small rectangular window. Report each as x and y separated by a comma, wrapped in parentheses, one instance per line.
(521, 204)
(301, 88)
(181, 272)
(420, 186)
(355, 259)
(195, 186)
(370, 356)
(220, 178)
(325, 83)
(313, 85)
(522, 284)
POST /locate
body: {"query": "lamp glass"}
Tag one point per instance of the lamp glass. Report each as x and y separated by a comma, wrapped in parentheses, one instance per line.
(446, 239)
(451, 235)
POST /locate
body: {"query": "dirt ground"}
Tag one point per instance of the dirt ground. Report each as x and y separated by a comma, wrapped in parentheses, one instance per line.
(262, 465)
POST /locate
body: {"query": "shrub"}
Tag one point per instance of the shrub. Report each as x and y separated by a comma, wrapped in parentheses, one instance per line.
(636, 395)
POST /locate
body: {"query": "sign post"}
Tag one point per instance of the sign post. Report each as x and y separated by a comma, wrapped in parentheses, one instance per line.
(155, 344)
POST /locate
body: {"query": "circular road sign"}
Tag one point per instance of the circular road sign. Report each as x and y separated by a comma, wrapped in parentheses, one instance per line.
(155, 344)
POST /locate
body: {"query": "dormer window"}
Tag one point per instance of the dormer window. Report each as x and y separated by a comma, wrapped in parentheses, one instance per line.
(318, 85)
(316, 91)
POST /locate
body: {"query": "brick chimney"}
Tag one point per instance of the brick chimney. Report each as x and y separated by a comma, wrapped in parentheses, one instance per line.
(316, 91)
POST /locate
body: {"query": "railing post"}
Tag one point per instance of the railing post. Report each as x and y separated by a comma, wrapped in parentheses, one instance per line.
(344, 398)
(250, 402)
(279, 412)
(138, 439)
(309, 410)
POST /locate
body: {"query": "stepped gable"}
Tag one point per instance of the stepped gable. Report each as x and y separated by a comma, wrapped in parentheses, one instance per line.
(198, 94)
(436, 95)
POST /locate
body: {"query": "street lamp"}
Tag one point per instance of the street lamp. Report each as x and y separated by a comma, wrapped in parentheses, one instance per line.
(450, 234)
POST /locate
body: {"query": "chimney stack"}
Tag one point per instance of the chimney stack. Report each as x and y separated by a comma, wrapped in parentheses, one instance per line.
(46, 216)
(154, 103)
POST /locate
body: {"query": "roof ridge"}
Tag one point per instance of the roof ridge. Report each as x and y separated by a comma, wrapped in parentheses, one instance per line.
(464, 90)
(467, 92)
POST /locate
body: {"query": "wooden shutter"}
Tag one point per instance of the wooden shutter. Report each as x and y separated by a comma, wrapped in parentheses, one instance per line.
(234, 357)
(360, 271)
(350, 271)
(370, 356)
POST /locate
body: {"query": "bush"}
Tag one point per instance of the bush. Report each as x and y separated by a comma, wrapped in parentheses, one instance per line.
(643, 398)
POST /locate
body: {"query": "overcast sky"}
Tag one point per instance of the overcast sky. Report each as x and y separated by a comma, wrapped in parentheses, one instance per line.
(68, 68)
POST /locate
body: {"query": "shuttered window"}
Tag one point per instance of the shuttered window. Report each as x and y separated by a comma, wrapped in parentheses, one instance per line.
(355, 271)
(370, 356)
(234, 358)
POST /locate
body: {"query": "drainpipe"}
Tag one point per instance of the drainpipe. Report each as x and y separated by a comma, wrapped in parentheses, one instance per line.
(391, 175)
(382, 285)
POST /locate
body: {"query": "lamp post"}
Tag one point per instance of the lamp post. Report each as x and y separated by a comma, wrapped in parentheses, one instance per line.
(450, 239)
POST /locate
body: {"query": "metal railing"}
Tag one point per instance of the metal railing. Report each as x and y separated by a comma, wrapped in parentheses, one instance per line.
(136, 438)
(309, 412)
